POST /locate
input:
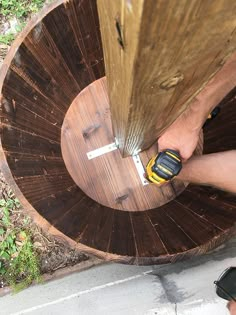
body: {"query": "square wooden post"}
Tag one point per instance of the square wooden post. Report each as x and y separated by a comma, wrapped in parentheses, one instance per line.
(158, 56)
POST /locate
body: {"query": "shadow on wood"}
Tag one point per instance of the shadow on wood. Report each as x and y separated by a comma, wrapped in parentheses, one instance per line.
(52, 61)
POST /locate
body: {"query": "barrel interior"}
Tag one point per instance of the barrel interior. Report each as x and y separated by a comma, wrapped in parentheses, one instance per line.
(60, 56)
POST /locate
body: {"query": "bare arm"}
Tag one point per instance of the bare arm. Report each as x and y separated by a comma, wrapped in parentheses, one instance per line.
(183, 134)
(216, 169)
(232, 307)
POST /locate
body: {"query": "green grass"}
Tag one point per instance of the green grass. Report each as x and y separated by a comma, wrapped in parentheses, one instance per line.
(19, 8)
(19, 263)
(7, 39)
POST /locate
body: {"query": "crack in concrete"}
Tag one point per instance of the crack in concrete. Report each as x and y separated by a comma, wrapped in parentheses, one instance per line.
(176, 309)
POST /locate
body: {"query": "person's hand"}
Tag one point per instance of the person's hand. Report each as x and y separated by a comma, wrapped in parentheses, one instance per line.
(183, 134)
(232, 307)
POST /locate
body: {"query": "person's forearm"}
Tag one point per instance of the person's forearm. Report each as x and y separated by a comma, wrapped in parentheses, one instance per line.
(205, 102)
(183, 134)
(217, 169)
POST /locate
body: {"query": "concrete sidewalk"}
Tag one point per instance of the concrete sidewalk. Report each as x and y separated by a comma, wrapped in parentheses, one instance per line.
(184, 288)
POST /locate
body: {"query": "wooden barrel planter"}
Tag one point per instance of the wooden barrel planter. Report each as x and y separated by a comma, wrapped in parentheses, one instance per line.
(54, 73)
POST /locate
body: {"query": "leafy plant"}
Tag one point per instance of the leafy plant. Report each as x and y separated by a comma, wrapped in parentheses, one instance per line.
(23, 269)
(7, 38)
(19, 8)
(19, 264)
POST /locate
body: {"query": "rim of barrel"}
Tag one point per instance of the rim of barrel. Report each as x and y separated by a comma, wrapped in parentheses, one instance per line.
(42, 222)
(49, 228)
(23, 34)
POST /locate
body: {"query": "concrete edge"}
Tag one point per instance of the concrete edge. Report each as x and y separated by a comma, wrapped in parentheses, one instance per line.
(60, 273)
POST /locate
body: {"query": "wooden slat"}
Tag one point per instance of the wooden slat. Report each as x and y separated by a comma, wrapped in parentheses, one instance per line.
(60, 28)
(30, 165)
(78, 51)
(57, 206)
(36, 188)
(170, 51)
(172, 236)
(214, 211)
(19, 141)
(32, 100)
(75, 221)
(219, 135)
(99, 229)
(32, 71)
(84, 28)
(18, 117)
(122, 239)
(44, 49)
(147, 239)
(198, 229)
(216, 194)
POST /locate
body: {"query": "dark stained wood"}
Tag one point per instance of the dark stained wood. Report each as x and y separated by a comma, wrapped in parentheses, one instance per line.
(26, 97)
(31, 165)
(70, 50)
(218, 135)
(159, 55)
(45, 185)
(80, 213)
(215, 194)
(83, 30)
(35, 97)
(16, 140)
(99, 229)
(147, 239)
(122, 229)
(56, 206)
(47, 52)
(27, 121)
(214, 211)
(108, 179)
(198, 229)
(37, 80)
(172, 236)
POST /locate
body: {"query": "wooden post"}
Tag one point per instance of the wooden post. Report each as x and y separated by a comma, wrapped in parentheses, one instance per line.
(158, 56)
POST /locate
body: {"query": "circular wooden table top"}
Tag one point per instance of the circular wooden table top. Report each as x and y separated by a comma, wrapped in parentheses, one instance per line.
(109, 179)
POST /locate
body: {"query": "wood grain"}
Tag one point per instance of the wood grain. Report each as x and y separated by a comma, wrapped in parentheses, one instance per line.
(171, 50)
(34, 102)
(216, 212)
(108, 179)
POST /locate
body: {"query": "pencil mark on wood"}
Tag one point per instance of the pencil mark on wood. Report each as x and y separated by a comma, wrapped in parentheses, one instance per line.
(119, 30)
(88, 132)
(120, 199)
